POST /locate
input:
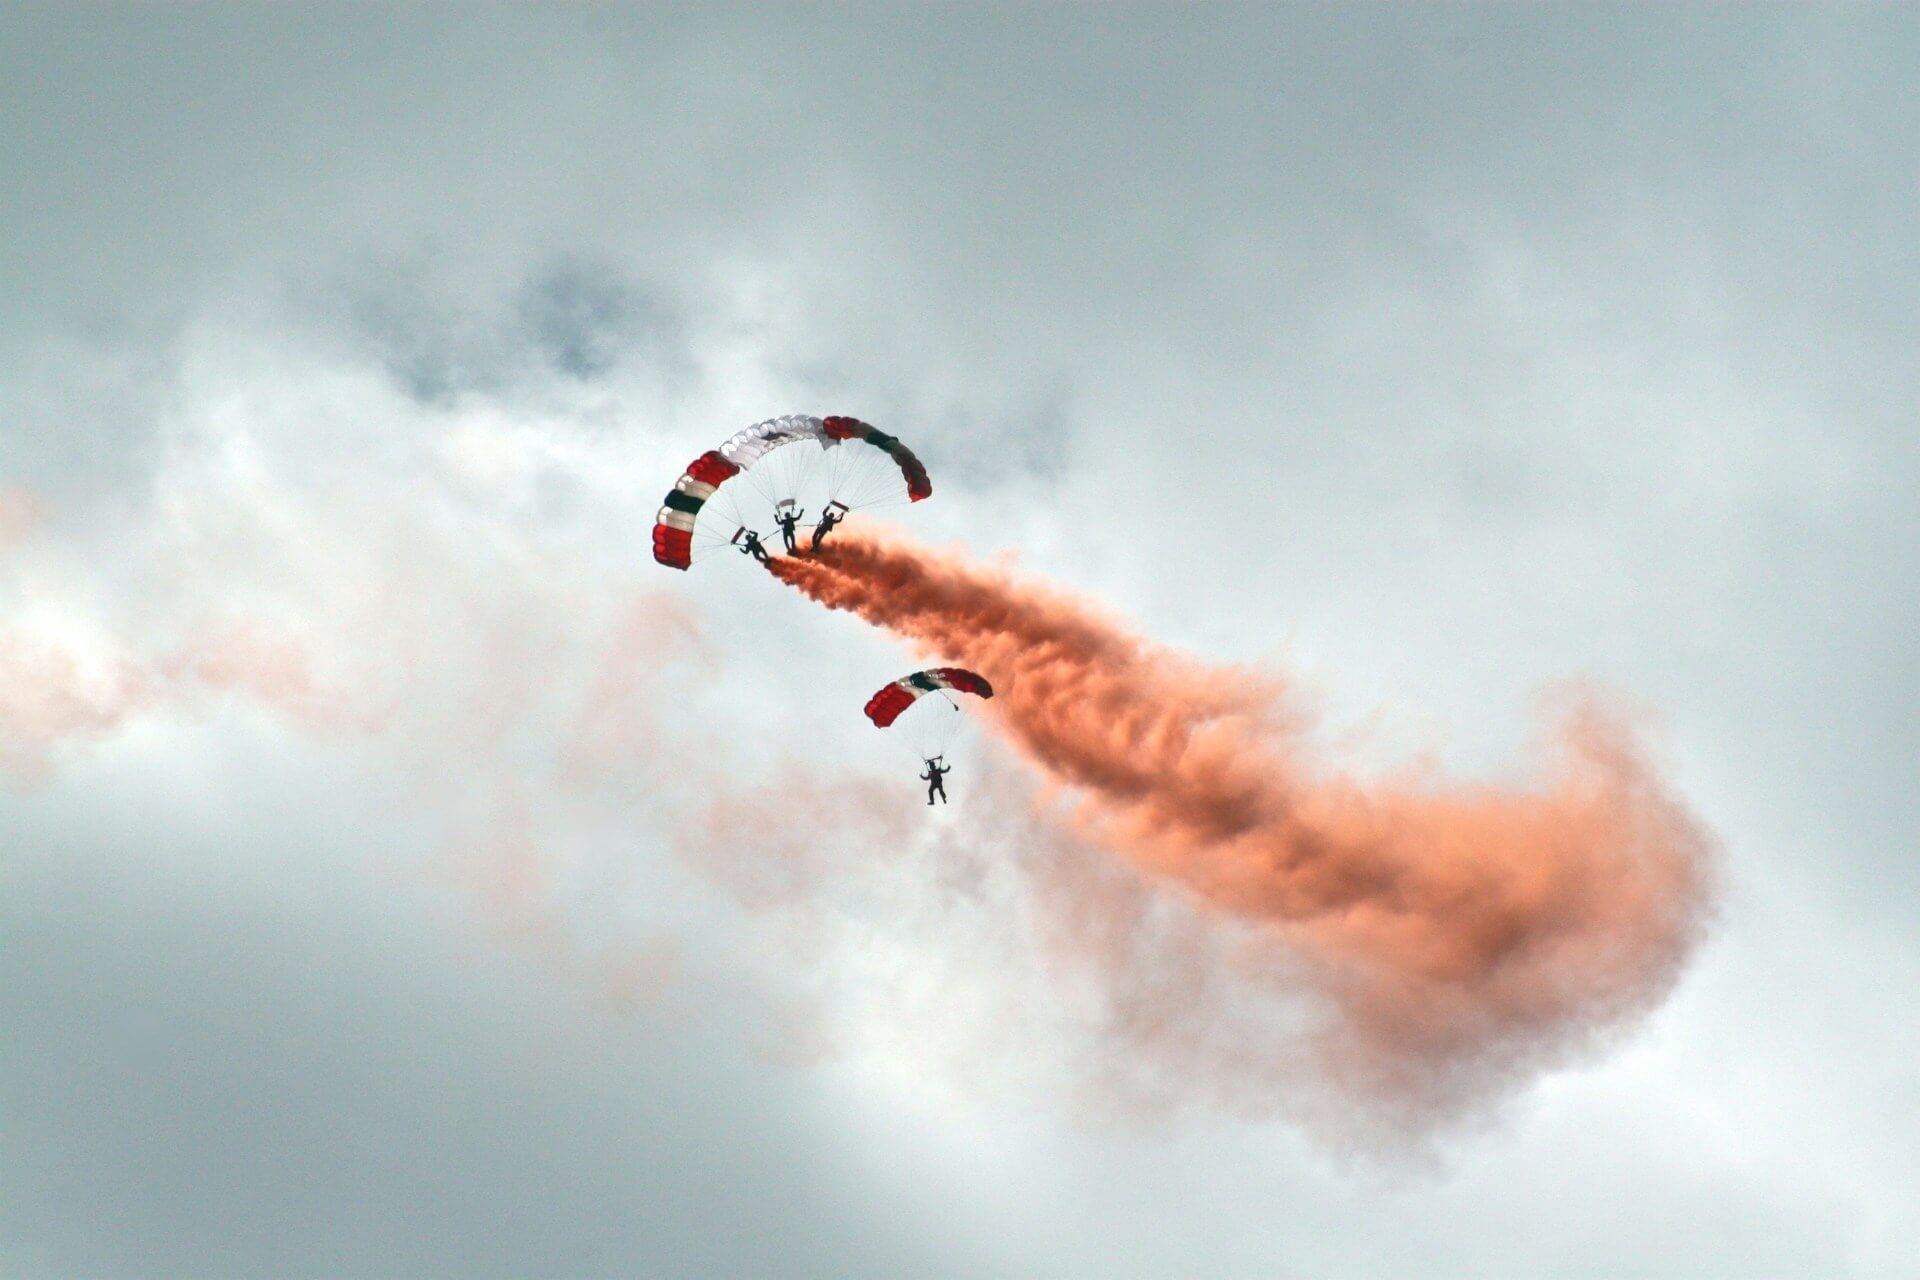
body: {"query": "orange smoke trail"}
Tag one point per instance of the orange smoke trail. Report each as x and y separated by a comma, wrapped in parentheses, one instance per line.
(1458, 935)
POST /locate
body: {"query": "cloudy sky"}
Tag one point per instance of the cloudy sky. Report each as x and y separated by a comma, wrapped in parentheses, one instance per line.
(367, 907)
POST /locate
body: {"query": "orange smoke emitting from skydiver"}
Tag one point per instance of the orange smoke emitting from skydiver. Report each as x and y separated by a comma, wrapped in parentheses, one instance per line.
(1455, 934)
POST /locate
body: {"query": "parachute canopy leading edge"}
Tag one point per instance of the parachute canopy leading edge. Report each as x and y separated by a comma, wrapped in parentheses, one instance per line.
(884, 707)
(865, 482)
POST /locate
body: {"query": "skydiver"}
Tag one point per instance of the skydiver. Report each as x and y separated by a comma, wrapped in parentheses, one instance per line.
(750, 546)
(787, 519)
(828, 519)
(933, 777)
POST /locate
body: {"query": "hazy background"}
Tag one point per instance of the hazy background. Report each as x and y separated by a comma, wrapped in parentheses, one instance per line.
(346, 727)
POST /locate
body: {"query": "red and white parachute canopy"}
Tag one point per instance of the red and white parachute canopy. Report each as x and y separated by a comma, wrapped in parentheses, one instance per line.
(854, 465)
(884, 707)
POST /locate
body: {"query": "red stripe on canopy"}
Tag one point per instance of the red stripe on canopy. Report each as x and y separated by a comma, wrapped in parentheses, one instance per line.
(884, 707)
(672, 547)
(711, 468)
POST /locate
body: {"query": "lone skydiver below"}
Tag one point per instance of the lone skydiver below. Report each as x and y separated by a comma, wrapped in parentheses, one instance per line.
(787, 519)
(933, 778)
(828, 519)
(750, 546)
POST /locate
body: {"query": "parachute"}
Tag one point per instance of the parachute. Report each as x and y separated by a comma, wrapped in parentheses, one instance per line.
(851, 465)
(884, 707)
(926, 725)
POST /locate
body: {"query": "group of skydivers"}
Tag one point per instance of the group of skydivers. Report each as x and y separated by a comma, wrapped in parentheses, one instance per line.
(789, 522)
(788, 519)
(677, 524)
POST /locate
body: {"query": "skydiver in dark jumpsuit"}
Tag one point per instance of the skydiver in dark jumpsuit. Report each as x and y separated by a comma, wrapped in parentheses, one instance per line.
(787, 520)
(750, 546)
(933, 777)
(827, 520)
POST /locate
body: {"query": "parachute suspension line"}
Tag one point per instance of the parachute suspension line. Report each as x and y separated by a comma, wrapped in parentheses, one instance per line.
(763, 482)
(732, 518)
(838, 470)
(851, 487)
(861, 477)
(879, 478)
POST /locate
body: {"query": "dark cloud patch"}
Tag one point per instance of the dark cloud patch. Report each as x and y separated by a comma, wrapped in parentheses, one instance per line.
(585, 318)
(440, 337)
(431, 350)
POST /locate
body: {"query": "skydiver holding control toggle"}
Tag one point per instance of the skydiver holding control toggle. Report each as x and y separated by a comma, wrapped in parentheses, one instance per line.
(787, 518)
(934, 778)
(750, 546)
(828, 519)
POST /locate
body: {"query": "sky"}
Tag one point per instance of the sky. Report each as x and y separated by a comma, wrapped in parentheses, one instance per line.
(403, 876)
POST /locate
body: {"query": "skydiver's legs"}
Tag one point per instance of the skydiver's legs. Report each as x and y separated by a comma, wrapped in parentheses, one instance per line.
(822, 529)
(786, 533)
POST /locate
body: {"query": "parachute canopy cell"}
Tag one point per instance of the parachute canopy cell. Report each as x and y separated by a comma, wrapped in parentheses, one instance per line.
(677, 527)
(884, 707)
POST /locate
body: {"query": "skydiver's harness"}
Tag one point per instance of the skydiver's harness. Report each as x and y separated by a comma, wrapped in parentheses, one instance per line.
(749, 543)
(830, 518)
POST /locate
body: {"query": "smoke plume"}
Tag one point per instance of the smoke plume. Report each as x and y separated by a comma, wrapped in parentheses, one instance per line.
(1454, 939)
